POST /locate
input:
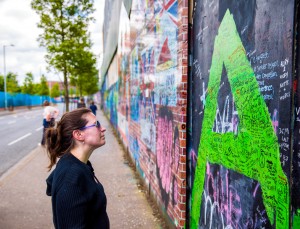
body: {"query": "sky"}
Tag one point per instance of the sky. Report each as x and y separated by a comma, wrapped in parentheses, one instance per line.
(18, 27)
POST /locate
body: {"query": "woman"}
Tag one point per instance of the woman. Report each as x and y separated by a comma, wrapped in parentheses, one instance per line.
(49, 115)
(78, 198)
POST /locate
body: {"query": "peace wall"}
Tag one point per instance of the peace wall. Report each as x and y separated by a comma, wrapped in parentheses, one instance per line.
(204, 96)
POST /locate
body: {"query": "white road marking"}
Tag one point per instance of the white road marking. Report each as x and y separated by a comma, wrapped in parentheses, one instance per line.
(19, 139)
(39, 128)
(11, 122)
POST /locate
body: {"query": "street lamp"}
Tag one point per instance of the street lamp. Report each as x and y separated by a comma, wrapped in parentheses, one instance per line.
(4, 69)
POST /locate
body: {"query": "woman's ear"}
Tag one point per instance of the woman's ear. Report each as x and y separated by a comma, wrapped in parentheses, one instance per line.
(78, 135)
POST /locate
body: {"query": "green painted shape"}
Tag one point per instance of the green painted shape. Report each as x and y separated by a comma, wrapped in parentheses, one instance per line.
(296, 220)
(254, 151)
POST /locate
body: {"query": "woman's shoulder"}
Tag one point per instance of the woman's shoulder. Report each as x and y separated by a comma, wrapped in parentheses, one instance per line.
(73, 170)
(69, 173)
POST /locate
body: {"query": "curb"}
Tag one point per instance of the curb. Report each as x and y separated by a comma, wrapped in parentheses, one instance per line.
(16, 110)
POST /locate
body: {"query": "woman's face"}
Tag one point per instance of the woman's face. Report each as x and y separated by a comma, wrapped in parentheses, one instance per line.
(94, 134)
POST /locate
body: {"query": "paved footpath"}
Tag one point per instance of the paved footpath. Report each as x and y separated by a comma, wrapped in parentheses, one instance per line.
(24, 204)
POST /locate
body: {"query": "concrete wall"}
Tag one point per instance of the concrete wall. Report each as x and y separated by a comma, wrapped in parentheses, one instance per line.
(215, 138)
(241, 120)
(111, 30)
(145, 95)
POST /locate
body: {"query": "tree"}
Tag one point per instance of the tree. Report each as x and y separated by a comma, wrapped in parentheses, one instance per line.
(36, 88)
(28, 85)
(65, 25)
(1, 83)
(55, 91)
(12, 84)
(84, 74)
(90, 86)
(43, 87)
(73, 92)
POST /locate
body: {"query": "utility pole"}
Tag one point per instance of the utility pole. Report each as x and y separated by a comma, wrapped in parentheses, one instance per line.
(4, 71)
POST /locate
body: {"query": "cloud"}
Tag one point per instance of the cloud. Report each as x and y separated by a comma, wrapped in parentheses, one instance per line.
(18, 26)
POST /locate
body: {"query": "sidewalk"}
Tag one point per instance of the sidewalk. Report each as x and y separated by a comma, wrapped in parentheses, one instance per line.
(24, 204)
(4, 112)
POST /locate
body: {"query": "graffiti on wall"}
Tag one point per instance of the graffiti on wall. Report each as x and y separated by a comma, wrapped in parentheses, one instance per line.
(164, 147)
(154, 62)
(148, 129)
(166, 76)
(134, 84)
(111, 101)
(225, 203)
(240, 156)
(167, 157)
(123, 71)
(148, 81)
(134, 148)
(147, 106)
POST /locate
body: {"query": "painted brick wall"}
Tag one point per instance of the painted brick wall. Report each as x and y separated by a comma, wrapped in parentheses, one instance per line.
(147, 104)
(230, 153)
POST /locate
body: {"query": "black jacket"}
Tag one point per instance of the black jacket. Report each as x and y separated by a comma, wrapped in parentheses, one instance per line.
(78, 198)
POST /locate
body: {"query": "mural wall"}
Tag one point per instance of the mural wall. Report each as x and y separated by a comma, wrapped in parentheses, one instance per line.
(147, 101)
(109, 93)
(241, 115)
(218, 148)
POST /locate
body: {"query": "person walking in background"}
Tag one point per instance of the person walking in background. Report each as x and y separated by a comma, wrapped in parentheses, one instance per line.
(78, 198)
(81, 103)
(49, 115)
(93, 108)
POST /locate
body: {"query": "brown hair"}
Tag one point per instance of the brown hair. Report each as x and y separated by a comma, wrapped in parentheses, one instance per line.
(59, 140)
(46, 103)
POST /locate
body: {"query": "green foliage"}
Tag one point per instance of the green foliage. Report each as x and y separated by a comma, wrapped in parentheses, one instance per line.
(55, 91)
(90, 87)
(65, 26)
(36, 89)
(1, 83)
(72, 91)
(28, 85)
(84, 73)
(12, 84)
(43, 86)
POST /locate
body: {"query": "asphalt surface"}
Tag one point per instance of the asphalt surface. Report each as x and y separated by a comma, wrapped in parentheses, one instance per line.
(24, 204)
(17, 130)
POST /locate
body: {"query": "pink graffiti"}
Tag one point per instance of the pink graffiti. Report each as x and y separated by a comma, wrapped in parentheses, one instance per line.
(235, 122)
(193, 157)
(175, 191)
(164, 151)
(225, 196)
(255, 190)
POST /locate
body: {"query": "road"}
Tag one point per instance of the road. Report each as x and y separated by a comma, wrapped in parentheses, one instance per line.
(20, 134)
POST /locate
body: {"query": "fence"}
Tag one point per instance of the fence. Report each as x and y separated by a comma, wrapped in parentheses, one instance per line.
(19, 99)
